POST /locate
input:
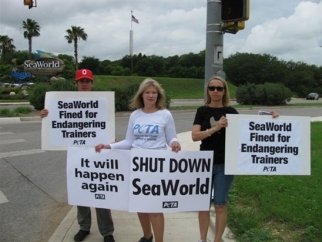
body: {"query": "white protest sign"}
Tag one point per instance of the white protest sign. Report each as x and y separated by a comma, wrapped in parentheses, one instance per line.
(261, 145)
(78, 119)
(98, 180)
(165, 181)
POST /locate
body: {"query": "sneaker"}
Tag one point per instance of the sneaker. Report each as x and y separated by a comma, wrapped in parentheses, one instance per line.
(109, 238)
(81, 235)
(143, 239)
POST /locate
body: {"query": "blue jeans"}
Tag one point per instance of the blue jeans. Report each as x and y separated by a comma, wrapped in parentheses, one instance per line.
(221, 184)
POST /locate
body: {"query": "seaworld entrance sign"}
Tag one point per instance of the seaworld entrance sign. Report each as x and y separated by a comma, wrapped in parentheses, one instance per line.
(44, 64)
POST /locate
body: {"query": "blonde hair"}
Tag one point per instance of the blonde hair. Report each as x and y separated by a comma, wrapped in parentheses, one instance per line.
(225, 98)
(137, 101)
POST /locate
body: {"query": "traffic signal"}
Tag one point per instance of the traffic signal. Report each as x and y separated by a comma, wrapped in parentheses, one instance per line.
(240, 25)
(30, 3)
(234, 10)
(233, 27)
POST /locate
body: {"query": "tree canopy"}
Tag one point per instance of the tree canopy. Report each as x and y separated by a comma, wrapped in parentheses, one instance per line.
(74, 34)
(31, 30)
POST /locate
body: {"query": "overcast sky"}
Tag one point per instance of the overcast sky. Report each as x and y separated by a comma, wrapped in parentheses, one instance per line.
(287, 29)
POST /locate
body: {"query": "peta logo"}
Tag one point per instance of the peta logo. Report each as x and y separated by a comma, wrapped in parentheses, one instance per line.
(100, 196)
(146, 128)
(172, 204)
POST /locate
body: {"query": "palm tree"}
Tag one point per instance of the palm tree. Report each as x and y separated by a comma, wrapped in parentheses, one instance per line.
(75, 33)
(32, 29)
(6, 46)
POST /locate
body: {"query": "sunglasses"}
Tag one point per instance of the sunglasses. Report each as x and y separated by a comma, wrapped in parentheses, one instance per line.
(213, 88)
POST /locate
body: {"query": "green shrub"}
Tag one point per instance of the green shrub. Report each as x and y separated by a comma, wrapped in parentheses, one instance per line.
(6, 112)
(123, 95)
(7, 90)
(22, 110)
(37, 98)
(63, 85)
(269, 94)
(15, 97)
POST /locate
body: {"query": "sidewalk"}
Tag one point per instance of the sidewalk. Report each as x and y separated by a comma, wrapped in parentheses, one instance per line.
(179, 227)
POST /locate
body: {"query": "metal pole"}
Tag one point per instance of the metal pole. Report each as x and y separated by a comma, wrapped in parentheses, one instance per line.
(214, 43)
(131, 49)
(131, 44)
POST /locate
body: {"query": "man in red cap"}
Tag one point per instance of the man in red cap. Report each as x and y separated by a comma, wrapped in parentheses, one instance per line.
(84, 82)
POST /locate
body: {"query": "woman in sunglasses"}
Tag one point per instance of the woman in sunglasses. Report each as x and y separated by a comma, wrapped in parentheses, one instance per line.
(209, 127)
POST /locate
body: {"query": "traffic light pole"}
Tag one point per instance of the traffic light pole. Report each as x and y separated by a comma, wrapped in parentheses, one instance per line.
(214, 43)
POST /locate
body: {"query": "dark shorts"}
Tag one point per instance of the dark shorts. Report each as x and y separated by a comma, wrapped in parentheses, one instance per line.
(221, 184)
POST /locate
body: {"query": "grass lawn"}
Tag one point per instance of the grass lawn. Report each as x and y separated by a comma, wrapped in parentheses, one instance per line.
(280, 208)
(177, 88)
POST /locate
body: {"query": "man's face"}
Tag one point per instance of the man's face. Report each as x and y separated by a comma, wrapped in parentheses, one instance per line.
(84, 84)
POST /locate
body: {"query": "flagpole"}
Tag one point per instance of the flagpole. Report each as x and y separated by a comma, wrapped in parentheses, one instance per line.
(131, 43)
(131, 18)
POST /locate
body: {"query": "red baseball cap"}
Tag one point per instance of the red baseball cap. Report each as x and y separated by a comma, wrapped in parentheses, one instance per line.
(84, 74)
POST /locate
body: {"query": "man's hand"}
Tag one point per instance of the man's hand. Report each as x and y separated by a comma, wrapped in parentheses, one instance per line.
(43, 113)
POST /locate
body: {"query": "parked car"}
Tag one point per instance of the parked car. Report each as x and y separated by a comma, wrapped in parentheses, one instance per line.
(312, 96)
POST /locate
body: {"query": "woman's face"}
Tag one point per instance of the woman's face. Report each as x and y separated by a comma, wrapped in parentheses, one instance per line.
(150, 96)
(217, 90)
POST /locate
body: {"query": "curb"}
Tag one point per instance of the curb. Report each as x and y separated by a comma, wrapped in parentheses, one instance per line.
(64, 226)
(9, 120)
(34, 118)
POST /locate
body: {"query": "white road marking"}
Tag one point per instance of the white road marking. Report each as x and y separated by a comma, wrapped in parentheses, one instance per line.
(20, 152)
(12, 141)
(3, 198)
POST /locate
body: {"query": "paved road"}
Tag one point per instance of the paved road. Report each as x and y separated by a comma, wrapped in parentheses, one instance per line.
(199, 102)
(33, 199)
(174, 102)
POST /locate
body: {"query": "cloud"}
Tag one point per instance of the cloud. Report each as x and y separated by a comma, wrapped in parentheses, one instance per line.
(294, 37)
(286, 29)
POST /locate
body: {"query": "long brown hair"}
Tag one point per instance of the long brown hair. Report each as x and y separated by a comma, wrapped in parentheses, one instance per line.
(137, 101)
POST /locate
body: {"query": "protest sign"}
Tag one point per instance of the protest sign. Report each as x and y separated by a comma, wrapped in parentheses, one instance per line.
(98, 180)
(78, 119)
(140, 180)
(165, 181)
(261, 145)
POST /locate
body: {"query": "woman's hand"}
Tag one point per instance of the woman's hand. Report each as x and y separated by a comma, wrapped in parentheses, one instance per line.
(99, 147)
(175, 146)
(222, 123)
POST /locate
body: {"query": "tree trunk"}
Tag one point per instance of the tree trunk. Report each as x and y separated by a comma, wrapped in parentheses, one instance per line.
(76, 54)
(30, 49)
